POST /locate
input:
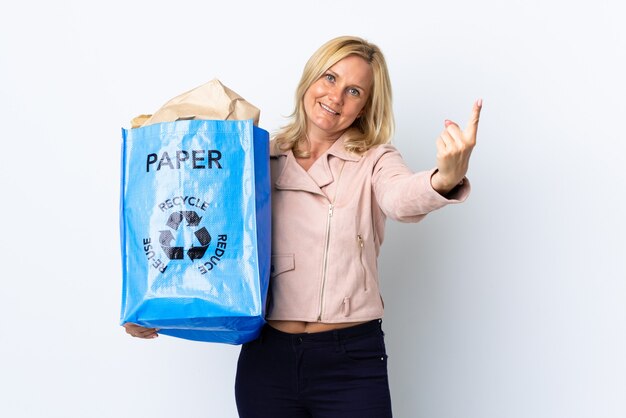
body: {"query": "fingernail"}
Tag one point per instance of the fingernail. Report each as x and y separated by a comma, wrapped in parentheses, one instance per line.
(448, 122)
(479, 102)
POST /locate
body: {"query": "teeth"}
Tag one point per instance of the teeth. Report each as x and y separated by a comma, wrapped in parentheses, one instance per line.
(328, 109)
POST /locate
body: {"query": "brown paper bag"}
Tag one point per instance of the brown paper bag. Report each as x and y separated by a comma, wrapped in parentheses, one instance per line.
(212, 100)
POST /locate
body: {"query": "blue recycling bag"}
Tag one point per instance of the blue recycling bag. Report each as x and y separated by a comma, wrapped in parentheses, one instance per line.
(195, 228)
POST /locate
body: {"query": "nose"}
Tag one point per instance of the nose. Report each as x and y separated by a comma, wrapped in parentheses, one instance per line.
(335, 94)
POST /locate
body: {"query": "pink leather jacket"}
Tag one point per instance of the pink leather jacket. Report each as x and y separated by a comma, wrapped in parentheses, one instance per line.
(328, 225)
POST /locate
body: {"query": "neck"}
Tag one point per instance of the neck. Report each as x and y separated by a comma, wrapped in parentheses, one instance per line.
(318, 145)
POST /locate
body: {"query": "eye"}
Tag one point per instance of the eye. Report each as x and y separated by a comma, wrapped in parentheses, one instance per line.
(329, 77)
(354, 92)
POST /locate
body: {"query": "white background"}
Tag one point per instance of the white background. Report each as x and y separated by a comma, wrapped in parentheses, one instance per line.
(510, 305)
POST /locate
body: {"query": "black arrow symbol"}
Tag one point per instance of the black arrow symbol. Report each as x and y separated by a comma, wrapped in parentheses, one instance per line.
(197, 252)
(173, 253)
(174, 220)
(192, 218)
(165, 237)
(203, 236)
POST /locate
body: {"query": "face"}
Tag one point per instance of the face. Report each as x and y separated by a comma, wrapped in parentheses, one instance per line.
(338, 97)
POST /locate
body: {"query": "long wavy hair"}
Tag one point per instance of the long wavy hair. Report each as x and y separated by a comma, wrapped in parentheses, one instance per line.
(375, 125)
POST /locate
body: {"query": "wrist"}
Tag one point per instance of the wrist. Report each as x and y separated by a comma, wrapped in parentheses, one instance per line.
(442, 185)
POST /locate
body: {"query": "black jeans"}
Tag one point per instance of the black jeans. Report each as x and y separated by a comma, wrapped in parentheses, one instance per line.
(341, 373)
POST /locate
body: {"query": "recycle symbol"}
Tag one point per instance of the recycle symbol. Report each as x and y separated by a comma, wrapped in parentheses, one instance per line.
(178, 253)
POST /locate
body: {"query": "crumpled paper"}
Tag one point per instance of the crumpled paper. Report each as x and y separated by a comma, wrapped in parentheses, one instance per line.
(212, 100)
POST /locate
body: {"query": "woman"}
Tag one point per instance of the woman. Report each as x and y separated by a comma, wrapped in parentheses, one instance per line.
(335, 180)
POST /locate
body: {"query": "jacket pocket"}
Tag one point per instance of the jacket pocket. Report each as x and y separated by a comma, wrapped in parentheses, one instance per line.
(345, 307)
(361, 244)
(282, 263)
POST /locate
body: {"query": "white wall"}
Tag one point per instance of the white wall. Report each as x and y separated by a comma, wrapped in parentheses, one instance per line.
(510, 305)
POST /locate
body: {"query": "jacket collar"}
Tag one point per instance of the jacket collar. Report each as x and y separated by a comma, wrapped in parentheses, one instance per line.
(294, 177)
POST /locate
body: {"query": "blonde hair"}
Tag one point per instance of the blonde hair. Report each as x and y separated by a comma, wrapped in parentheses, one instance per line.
(374, 126)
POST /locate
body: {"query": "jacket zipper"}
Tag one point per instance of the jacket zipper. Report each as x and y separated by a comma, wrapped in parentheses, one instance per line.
(331, 207)
(361, 245)
(325, 265)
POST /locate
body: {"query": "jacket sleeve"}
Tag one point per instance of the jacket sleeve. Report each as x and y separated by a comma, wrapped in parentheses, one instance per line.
(406, 196)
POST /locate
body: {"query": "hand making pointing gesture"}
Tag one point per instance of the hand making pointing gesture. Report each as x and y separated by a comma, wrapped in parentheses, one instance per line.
(454, 148)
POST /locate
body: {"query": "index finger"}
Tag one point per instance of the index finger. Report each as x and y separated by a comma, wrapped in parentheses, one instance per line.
(472, 125)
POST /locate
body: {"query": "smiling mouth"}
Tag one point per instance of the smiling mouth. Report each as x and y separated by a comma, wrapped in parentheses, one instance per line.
(328, 109)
